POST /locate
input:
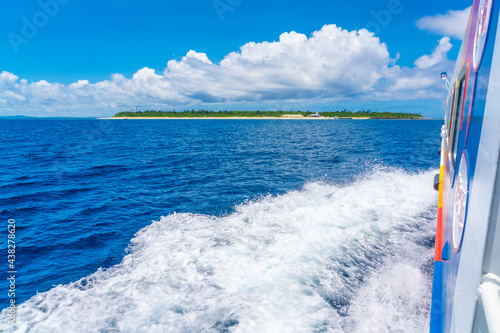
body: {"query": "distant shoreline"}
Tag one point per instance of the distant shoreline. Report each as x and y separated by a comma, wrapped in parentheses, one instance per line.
(265, 118)
(206, 114)
(194, 118)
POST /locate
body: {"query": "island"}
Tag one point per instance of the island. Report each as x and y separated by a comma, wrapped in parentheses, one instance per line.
(205, 114)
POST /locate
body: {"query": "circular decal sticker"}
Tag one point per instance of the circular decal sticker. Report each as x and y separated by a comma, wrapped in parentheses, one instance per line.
(483, 21)
(461, 201)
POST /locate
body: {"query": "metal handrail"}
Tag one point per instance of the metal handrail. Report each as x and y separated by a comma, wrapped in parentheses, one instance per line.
(490, 296)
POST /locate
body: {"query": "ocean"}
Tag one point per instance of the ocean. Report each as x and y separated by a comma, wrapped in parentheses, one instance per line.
(219, 225)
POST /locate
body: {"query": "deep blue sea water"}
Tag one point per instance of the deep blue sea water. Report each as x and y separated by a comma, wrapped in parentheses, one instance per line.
(261, 225)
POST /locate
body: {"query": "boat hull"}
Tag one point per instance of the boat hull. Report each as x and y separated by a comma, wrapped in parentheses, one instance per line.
(469, 176)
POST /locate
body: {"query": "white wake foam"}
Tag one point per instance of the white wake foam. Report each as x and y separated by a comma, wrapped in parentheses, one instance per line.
(322, 259)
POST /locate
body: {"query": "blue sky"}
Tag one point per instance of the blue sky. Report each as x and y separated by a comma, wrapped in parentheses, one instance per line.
(90, 41)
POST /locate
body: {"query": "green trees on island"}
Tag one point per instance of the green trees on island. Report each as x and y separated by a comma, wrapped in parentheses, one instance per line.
(370, 114)
(257, 114)
(206, 113)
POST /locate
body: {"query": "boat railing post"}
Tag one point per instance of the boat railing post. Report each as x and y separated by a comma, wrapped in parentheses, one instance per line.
(490, 297)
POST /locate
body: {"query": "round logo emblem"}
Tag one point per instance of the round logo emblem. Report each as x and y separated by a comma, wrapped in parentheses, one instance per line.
(461, 201)
(483, 21)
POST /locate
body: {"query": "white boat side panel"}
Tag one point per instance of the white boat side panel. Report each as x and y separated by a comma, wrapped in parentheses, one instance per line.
(492, 255)
(481, 192)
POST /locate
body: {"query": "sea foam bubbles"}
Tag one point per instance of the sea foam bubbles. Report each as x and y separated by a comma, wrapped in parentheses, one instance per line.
(326, 258)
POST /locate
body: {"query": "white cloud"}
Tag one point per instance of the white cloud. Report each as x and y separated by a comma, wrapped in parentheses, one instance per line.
(293, 65)
(452, 24)
(422, 81)
(331, 65)
(437, 57)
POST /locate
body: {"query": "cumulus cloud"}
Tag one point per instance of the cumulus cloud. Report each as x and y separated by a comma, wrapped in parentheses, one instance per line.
(452, 24)
(293, 65)
(437, 57)
(332, 64)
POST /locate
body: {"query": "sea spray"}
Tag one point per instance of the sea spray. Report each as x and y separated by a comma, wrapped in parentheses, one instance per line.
(326, 258)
